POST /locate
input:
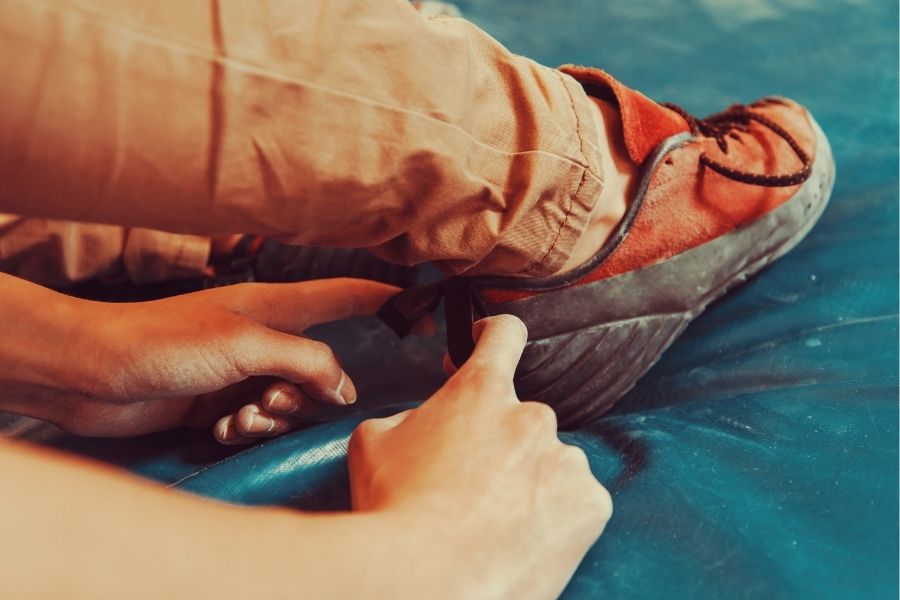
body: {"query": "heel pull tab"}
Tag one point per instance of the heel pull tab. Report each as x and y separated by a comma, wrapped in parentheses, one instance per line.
(462, 307)
(403, 310)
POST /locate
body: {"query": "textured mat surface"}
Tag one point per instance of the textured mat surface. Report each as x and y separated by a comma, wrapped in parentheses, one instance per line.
(758, 459)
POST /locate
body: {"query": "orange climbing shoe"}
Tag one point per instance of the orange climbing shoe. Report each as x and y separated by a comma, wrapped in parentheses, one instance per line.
(717, 200)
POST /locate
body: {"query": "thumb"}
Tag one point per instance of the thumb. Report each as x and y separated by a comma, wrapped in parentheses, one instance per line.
(310, 364)
(499, 342)
(488, 374)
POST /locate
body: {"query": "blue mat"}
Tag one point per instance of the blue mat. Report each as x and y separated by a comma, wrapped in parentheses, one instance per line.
(758, 459)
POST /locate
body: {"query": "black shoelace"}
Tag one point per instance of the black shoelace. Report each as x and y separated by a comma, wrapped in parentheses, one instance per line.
(736, 118)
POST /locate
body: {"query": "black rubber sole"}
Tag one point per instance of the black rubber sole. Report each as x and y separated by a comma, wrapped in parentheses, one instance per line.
(588, 345)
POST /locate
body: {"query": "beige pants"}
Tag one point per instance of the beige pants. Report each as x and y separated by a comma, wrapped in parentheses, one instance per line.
(60, 253)
(323, 122)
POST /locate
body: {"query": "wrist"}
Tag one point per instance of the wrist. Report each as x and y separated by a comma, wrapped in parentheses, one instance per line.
(389, 553)
(84, 365)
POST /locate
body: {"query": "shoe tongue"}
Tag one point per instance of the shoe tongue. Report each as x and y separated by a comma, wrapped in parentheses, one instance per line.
(645, 124)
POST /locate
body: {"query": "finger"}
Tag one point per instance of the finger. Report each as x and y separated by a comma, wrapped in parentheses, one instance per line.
(252, 421)
(293, 307)
(283, 407)
(425, 327)
(288, 400)
(226, 433)
(449, 367)
(308, 363)
(207, 409)
(499, 342)
(283, 398)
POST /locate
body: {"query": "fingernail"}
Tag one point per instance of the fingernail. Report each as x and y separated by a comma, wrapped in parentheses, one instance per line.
(260, 424)
(343, 393)
(222, 431)
(282, 402)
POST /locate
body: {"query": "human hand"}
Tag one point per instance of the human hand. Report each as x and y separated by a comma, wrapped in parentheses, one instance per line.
(484, 477)
(188, 360)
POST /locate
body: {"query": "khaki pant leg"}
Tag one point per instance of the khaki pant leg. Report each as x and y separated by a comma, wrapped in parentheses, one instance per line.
(325, 122)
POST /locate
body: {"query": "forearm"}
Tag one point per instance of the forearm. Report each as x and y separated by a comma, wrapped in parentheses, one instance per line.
(41, 342)
(76, 529)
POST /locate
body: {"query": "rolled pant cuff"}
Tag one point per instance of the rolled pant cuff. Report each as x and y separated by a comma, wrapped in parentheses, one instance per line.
(540, 245)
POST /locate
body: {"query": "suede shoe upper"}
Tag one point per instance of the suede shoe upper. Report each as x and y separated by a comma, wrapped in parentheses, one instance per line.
(687, 203)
